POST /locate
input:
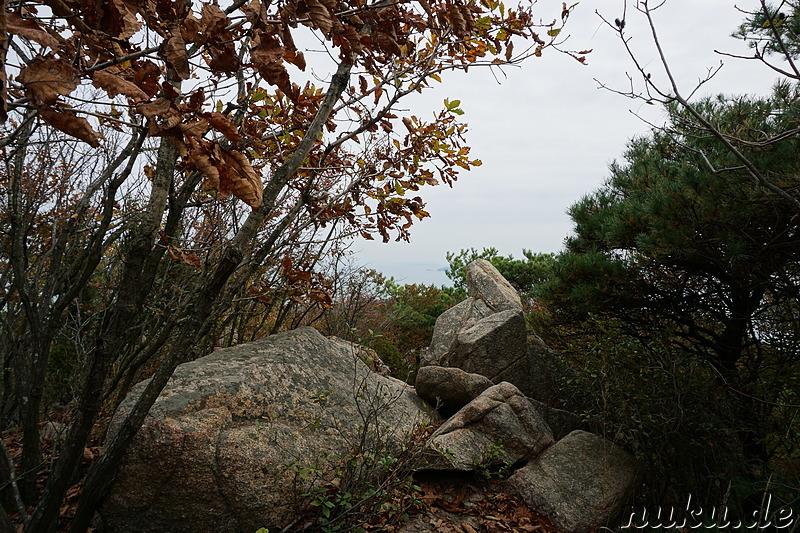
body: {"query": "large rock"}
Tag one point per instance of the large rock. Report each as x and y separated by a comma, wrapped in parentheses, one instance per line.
(485, 283)
(448, 325)
(580, 483)
(449, 389)
(214, 454)
(491, 346)
(499, 426)
(486, 334)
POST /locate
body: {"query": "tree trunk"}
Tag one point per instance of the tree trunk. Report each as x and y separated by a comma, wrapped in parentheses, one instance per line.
(116, 331)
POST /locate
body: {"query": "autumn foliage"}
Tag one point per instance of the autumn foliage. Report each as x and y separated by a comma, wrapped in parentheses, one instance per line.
(192, 76)
(166, 162)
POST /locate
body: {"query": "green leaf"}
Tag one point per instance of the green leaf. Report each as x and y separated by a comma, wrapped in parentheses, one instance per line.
(554, 32)
(258, 95)
(451, 105)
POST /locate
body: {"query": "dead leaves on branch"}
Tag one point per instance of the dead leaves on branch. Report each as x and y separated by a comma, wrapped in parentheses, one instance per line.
(179, 255)
(29, 29)
(173, 50)
(115, 85)
(218, 40)
(226, 171)
(266, 55)
(65, 120)
(90, 41)
(115, 18)
(47, 78)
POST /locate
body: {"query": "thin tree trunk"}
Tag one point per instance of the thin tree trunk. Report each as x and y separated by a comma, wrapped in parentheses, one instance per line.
(115, 333)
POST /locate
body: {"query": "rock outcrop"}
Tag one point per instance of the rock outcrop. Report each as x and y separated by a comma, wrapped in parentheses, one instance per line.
(485, 283)
(223, 446)
(498, 427)
(214, 454)
(580, 483)
(486, 334)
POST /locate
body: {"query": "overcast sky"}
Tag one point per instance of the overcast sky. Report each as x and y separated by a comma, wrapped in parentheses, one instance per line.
(546, 133)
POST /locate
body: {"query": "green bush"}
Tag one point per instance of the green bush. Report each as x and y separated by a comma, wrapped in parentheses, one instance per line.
(668, 408)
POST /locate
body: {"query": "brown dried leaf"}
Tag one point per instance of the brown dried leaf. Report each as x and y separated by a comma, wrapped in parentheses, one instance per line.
(265, 55)
(171, 11)
(195, 101)
(146, 75)
(29, 29)
(386, 43)
(173, 51)
(213, 19)
(195, 128)
(199, 157)
(157, 107)
(67, 121)
(226, 171)
(223, 57)
(161, 115)
(180, 256)
(319, 15)
(241, 180)
(254, 12)
(266, 49)
(287, 39)
(224, 125)
(192, 30)
(296, 58)
(115, 85)
(509, 50)
(125, 23)
(352, 40)
(275, 74)
(46, 79)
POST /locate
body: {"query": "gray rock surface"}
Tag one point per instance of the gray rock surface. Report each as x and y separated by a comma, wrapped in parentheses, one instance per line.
(499, 426)
(485, 283)
(492, 345)
(214, 452)
(445, 332)
(449, 389)
(580, 483)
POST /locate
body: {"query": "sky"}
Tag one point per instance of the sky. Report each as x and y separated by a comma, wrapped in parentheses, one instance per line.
(546, 132)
